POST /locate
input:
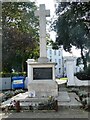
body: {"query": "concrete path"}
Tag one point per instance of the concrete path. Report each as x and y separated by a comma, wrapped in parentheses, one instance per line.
(63, 97)
(62, 113)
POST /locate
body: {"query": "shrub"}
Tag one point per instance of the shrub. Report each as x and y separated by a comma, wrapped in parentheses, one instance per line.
(88, 70)
(12, 74)
(5, 74)
(83, 75)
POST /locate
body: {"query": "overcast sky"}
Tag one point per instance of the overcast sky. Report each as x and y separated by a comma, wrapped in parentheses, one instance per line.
(49, 5)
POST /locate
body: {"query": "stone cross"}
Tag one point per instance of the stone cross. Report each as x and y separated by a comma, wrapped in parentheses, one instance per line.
(42, 13)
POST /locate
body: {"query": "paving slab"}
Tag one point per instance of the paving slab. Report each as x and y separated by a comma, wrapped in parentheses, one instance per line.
(73, 103)
(63, 96)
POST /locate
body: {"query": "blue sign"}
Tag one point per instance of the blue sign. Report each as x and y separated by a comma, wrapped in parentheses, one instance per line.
(18, 82)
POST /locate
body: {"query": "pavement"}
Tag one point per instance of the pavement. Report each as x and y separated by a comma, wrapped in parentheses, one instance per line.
(62, 113)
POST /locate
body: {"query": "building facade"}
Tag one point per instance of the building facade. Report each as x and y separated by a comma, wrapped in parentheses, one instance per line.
(60, 60)
(56, 56)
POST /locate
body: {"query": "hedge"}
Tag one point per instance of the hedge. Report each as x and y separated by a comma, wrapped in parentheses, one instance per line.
(12, 74)
(83, 76)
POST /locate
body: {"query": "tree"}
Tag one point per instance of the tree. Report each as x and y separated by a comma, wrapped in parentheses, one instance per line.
(72, 26)
(20, 34)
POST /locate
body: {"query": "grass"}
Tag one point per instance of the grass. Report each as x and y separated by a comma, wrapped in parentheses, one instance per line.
(63, 78)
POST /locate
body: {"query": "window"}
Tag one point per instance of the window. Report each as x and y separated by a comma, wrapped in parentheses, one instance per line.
(55, 60)
(50, 58)
(59, 70)
(65, 69)
(59, 61)
(54, 52)
(59, 53)
(50, 51)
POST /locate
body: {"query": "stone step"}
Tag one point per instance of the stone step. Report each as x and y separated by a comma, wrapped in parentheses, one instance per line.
(65, 100)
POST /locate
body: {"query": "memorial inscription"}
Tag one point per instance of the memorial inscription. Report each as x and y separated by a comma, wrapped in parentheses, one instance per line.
(42, 73)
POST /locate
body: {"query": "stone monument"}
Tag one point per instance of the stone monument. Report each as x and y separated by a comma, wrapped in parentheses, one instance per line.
(41, 74)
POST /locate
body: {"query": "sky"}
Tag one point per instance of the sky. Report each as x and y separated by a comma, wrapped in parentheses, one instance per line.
(50, 4)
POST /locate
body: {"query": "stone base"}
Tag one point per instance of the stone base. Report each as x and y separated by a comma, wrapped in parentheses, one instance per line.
(43, 60)
(44, 88)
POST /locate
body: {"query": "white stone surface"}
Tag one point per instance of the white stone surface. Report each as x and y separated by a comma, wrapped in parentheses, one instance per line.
(72, 80)
(43, 59)
(44, 88)
(81, 82)
(57, 57)
(48, 87)
(74, 63)
(70, 72)
(63, 97)
(42, 13)
(32, 65)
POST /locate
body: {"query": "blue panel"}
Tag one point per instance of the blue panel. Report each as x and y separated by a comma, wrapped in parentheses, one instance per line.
(18, 82)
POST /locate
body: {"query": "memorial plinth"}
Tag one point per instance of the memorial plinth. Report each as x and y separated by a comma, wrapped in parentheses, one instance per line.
(41, 79)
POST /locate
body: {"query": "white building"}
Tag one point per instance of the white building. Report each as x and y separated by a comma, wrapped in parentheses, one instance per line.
(60, 60)
(56, 56)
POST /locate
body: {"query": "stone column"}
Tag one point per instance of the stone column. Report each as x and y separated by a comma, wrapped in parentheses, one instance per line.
(42, 13)
(70, 71)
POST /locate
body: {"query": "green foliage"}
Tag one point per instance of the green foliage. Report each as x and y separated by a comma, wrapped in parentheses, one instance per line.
(55, 45)
(78, 61)
(4, 74)
(85, 75)
(88, 70)
(82, 76)
(20, 35)
(72, 26)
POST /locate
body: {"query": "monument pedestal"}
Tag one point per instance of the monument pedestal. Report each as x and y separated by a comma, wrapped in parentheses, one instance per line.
(43, 88)
(43, 60)
(41, 79)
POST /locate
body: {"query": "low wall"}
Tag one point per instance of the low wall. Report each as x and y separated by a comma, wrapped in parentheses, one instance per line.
(5, 83)
(81, 82)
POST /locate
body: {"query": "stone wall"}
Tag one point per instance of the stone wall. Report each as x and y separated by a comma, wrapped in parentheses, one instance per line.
(81, 82)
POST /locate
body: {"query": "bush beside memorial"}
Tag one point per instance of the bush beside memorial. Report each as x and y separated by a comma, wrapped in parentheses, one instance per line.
(84, 75)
